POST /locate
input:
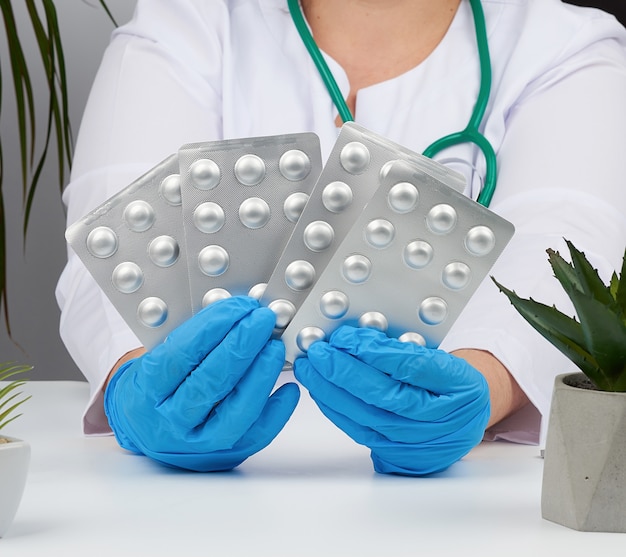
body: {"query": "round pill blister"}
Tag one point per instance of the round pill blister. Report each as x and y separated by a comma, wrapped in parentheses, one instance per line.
(294, 205)
(433, 310)
(480, 240)
(337, 197)
(374, 320)
(205, 174)
(214, 295)
(254, 213)
(418, 254)
(379, 233)
(164, 251)
(257, 290)
(294, 165)
(356, 268)
(318, 235)
(152, 312)
(102, 242)
(127, 277)
(250, 170)
(413, 337)
(403, 197)
(139, 215)
(354, 157)
(456, 275)
(209, 217)
(299, 275)
(441, 219)
(309, 335)
(170, 190)
(213, 261)
(385, 169)
(284, 311)
(334, 304)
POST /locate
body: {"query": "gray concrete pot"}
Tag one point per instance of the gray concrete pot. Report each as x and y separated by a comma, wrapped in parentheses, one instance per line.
(584, 475)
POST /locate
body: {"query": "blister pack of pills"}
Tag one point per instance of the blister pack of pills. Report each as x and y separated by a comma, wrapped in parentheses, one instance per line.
(356, 165)
(241, 200)
(208, 222)
(379, 237)
(134, 247)
(407, 266)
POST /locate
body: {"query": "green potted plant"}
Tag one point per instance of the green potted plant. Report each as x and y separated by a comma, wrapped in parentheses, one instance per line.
(14, 453)
(584, 477)
(36, 148)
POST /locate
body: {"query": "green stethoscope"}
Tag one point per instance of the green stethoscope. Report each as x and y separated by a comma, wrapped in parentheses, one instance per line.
(470, 134)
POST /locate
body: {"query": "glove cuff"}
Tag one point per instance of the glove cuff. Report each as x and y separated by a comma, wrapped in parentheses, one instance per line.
(111, 411)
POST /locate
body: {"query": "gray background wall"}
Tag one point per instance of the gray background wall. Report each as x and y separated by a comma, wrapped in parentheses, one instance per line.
(35, 267)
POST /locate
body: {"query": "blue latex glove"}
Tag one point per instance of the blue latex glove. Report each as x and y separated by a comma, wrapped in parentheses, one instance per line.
(419, 410)
(200, 399)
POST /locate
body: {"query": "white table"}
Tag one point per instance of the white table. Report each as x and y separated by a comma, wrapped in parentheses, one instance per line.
(312, 492)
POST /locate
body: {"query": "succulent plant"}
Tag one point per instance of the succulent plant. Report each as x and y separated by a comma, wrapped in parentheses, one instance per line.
(596, 341)
(9, 399)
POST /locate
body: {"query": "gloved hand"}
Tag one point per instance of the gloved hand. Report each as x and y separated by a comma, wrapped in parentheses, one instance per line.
(419, 410)
(200, 399)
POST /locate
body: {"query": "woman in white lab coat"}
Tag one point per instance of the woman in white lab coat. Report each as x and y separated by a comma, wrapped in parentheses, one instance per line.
(192, 70)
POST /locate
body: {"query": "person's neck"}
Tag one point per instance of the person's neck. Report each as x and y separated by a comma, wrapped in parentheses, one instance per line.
(377, 40)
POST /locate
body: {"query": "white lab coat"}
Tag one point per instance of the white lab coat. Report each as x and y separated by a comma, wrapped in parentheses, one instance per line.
(195, 70)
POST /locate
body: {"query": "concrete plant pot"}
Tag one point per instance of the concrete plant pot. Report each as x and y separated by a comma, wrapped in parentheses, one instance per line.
(584, 476)
(14, 462)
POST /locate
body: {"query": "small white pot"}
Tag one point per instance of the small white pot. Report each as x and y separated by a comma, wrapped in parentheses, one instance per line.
(14, 462)
(584, 474)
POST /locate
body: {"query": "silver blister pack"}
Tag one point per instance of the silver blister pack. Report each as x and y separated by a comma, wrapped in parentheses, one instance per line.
(356, 165)
(241, 200)
(407, 266)
(134, 247)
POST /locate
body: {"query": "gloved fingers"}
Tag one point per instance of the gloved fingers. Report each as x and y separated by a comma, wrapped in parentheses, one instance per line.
(432, 456)
(427, 368)
(166, 366)
(390, 426)
(377, 388)
(220, 371)
(232, 418)
(277, 411)
(361, 434)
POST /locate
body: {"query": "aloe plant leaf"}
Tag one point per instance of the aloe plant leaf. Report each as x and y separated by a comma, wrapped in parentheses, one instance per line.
(564, 271)
(618, 287)
(605, 335)
(589, 278)
(564, 332)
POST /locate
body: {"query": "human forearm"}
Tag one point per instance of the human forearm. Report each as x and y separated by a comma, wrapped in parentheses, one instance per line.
(506, 395)
(125, 358)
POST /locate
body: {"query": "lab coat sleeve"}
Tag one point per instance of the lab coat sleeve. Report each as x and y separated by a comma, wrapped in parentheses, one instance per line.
(156, 89)
(562, 175)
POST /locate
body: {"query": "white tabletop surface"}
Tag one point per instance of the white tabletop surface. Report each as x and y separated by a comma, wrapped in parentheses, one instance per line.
(312, 492)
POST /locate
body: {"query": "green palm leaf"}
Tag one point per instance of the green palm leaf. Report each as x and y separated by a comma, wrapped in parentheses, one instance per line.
(58, 133)
(7, 413)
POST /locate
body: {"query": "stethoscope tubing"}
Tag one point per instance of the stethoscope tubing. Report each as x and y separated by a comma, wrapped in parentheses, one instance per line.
(470, 134)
